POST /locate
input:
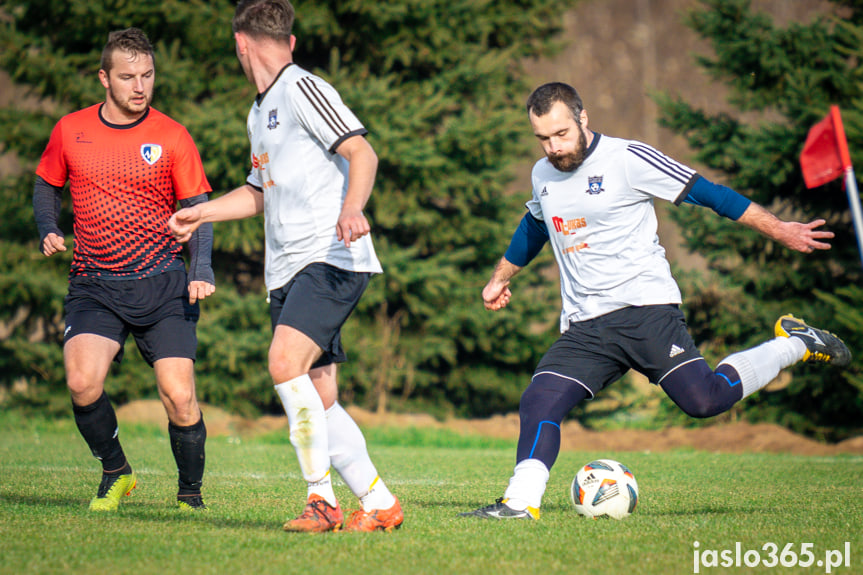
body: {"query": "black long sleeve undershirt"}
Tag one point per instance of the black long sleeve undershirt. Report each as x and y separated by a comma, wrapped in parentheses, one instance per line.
(46, 208)
(200, 246)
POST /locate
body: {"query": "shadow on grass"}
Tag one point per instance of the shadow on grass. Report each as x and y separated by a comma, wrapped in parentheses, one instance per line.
(160, 515)
(56, 501)
(465, 505)
(141, 511)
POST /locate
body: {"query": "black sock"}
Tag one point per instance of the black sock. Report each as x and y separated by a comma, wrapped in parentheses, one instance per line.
(187, 443)
(126, 470)
(97, 423)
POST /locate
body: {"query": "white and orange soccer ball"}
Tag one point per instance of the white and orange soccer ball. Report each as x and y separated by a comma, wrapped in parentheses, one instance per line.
(604, 488)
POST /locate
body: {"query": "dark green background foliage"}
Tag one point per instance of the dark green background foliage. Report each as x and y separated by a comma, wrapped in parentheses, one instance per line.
(441, 87)
(782, 81)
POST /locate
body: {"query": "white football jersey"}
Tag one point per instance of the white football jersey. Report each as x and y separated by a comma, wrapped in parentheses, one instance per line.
(602, 226)
(294, 129)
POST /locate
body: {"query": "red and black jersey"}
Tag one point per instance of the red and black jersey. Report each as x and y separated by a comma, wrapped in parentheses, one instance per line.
(125, 182)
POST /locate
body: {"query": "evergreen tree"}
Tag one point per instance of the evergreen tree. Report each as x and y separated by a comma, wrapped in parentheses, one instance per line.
(440, 86)
(781, 81)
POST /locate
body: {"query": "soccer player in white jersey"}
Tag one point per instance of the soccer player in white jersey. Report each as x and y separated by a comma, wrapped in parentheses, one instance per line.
(593, 201)
(312, 174)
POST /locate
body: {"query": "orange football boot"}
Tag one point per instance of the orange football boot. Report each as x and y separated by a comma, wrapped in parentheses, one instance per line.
(318, 516)
(376, 519)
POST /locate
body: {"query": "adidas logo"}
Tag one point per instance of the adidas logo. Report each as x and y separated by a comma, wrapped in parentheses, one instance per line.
(544, 192)
(675, 350)
(590, 480)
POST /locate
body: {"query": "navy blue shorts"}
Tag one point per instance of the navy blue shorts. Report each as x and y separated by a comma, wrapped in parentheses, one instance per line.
(317, 302)
(155, 310)
(595, 353)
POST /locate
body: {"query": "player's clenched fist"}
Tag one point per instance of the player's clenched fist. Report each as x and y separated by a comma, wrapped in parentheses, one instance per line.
(53, 244)
(496, 296)
(184, 222)
(351, 227)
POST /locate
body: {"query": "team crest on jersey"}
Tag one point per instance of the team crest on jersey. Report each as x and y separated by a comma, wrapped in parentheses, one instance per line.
(273, 119)
(151, 153)
(594, 185)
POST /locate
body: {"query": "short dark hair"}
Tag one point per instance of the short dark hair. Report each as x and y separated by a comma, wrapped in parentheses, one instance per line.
(544, 97)
(272, 19)
(131, 40)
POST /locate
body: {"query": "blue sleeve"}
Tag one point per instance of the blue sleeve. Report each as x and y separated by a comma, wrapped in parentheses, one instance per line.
(721, 199)
(527, 241)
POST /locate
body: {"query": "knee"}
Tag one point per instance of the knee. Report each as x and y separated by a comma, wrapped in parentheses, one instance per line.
(77, 385)
(181, 406)
(698, 408)
(699, 405)
(699, 391)
(533, 409)
(84, 390)
(550, 397)
(282, 370)
(285, 366)
(530, 401)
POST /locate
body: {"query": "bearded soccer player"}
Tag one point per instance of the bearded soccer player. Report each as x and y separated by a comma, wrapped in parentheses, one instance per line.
(312, 174)
(593, 201)
(128, 165)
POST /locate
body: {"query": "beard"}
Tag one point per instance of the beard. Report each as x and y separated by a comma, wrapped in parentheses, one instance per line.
(128, 106)
(571, 161)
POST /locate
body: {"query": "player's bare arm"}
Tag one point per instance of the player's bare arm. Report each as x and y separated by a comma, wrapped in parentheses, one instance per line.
(793, 235)
(239, 203)
(363, 166)
(496, 293)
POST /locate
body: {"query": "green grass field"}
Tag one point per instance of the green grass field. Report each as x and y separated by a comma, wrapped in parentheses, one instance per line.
(47, 477)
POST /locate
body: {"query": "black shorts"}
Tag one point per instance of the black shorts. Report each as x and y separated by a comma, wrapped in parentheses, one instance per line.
(155, 310)
(652, 340)
(317, 302)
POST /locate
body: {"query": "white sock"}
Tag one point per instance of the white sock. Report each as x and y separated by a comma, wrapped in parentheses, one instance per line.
(377, 497)
(759, 365)
(350, 457)
(308, 427)
(324, 488)
(527, 485)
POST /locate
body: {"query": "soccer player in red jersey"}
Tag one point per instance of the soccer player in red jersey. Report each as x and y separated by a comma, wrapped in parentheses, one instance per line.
(128, 165)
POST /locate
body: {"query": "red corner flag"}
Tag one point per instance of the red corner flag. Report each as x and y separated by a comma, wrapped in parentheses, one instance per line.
(825, 157)
(825, 154)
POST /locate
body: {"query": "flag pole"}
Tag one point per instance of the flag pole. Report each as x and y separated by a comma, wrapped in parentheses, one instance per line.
(850, 179)
(856, 211)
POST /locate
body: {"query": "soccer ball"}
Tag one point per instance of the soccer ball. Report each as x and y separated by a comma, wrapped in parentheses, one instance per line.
(604, 488)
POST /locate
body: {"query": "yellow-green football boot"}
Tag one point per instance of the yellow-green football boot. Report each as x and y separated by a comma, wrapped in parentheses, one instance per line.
(112, 489)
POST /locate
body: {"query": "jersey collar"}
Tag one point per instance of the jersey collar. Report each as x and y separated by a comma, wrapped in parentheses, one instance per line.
(122, 126)
(593, 144)
(260, 97)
